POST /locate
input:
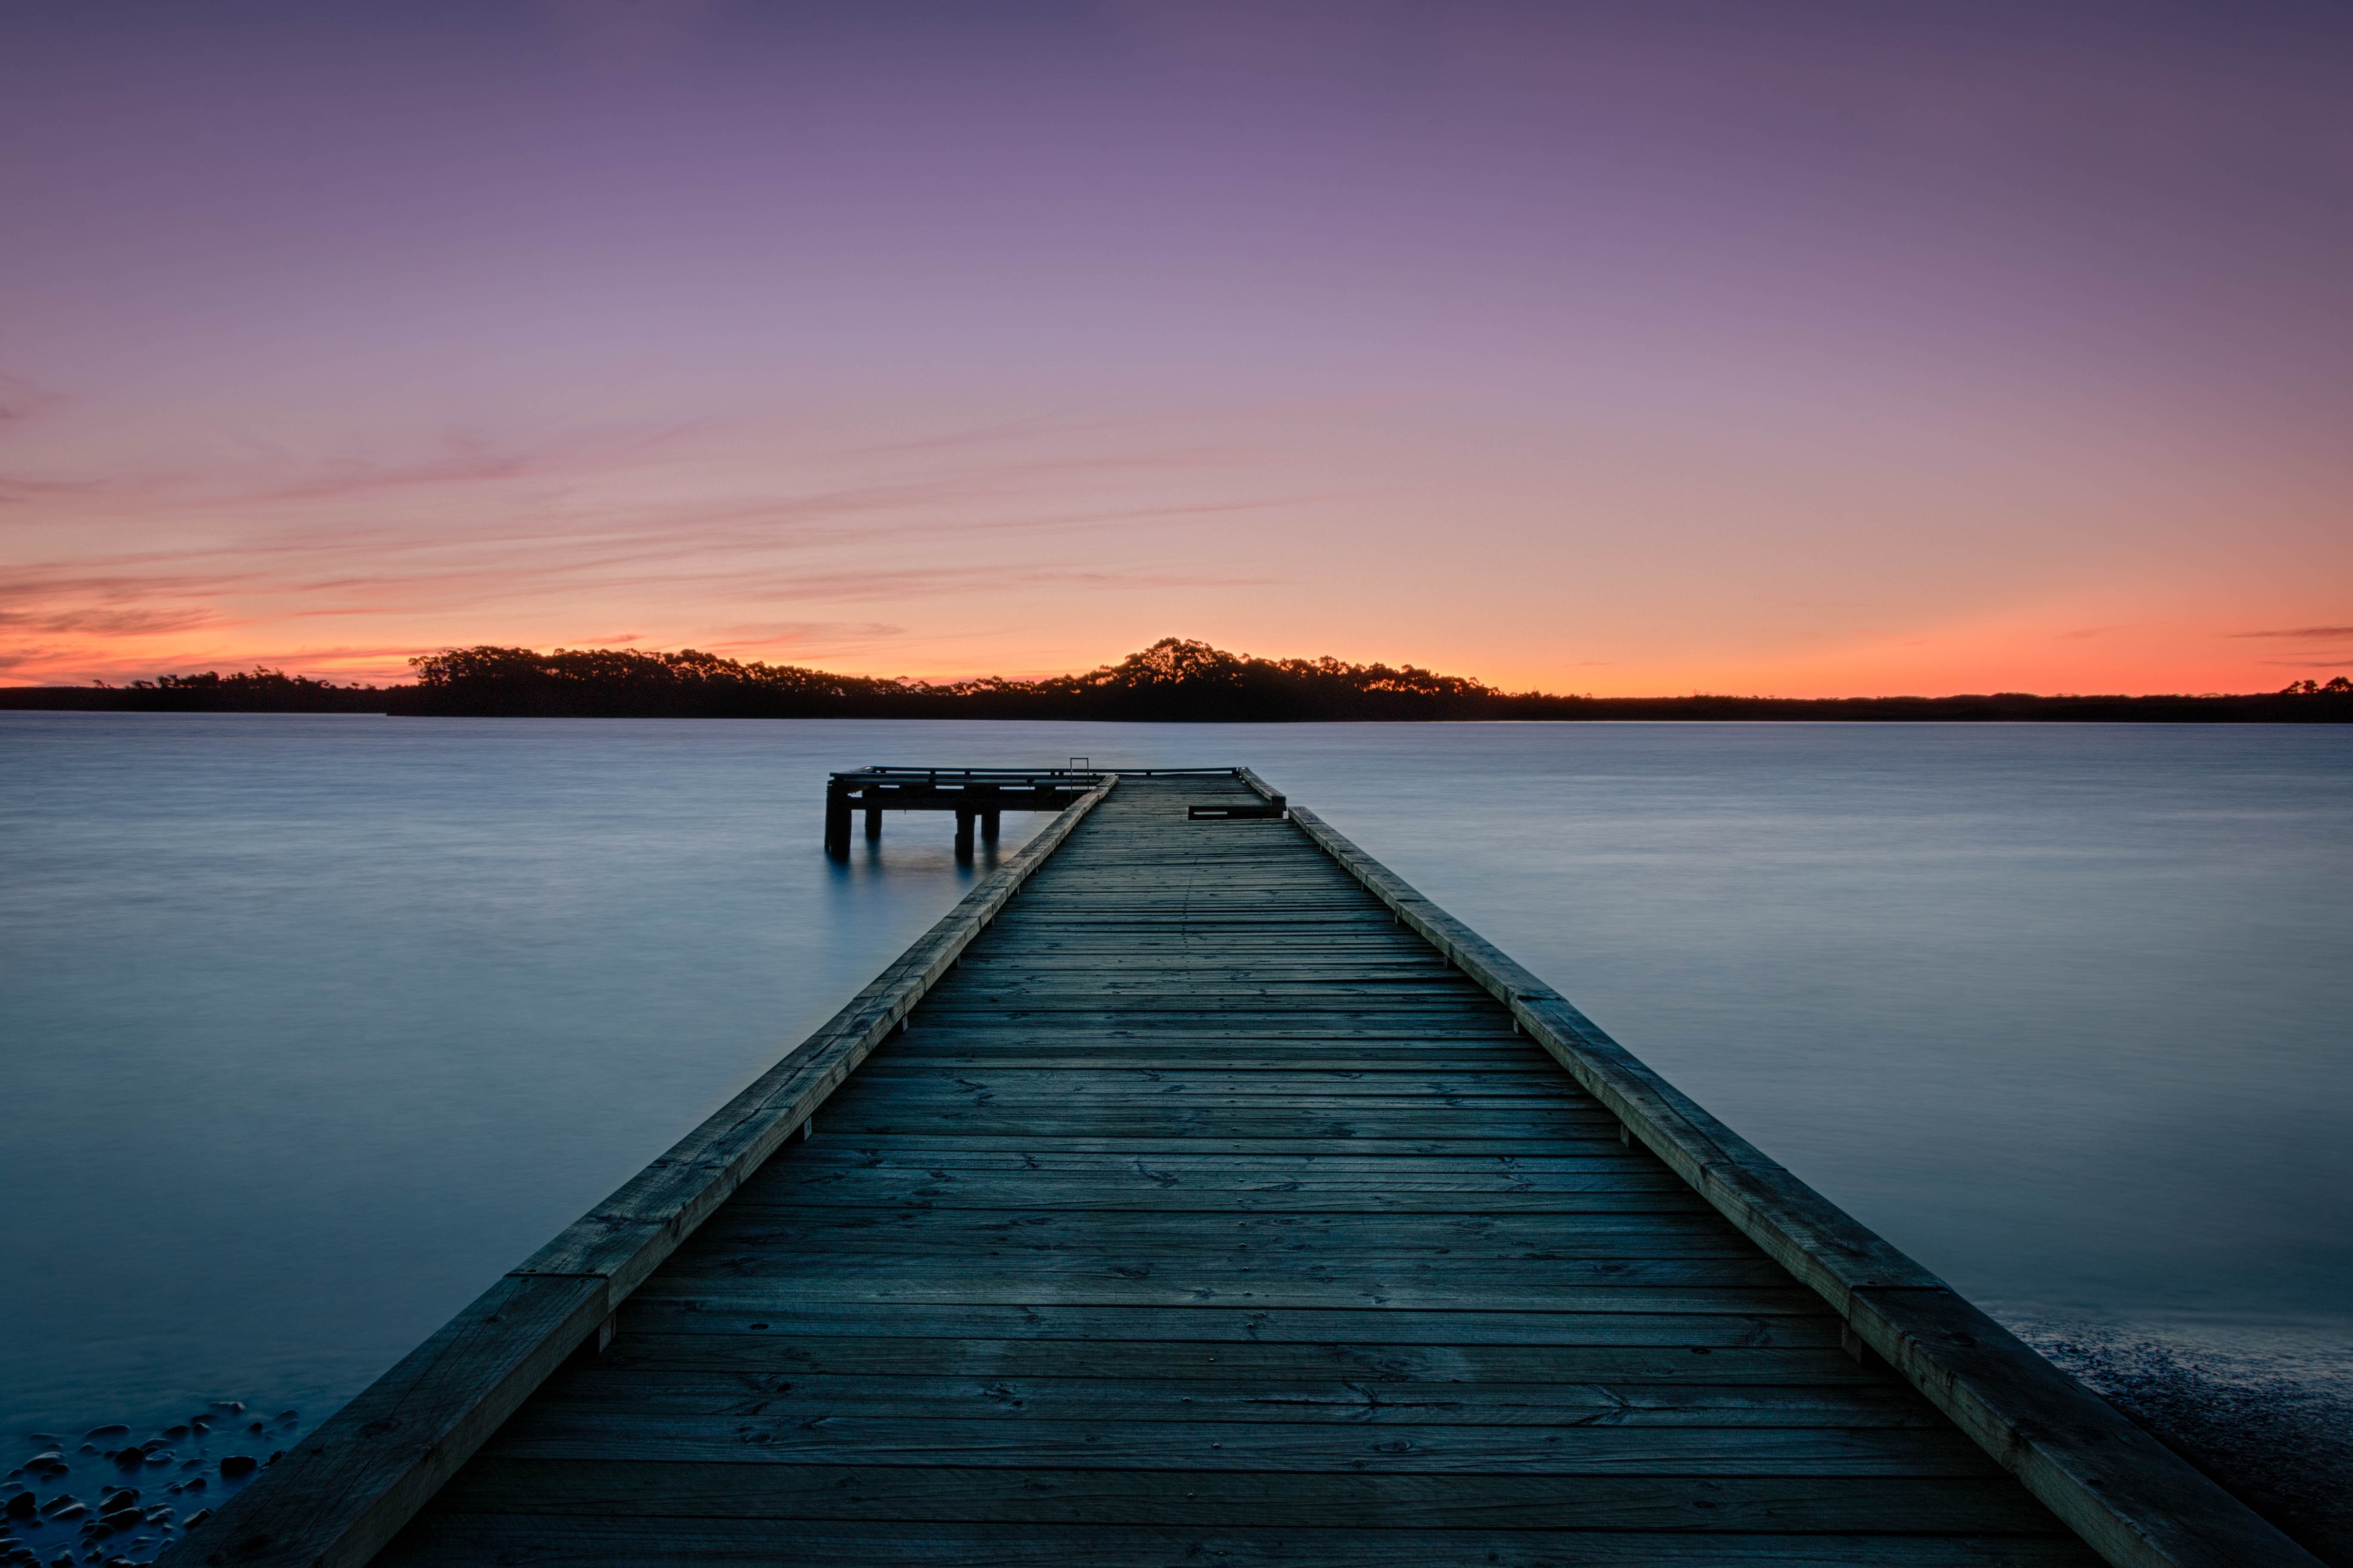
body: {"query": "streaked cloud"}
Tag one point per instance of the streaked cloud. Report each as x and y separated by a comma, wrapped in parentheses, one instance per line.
(136, 623)
(2305, 633)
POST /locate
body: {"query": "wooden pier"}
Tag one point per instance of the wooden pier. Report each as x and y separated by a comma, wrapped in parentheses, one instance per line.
(1197, 1193)
(978, 797)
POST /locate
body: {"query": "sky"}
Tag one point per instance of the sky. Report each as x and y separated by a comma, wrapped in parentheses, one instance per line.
(1780, 348)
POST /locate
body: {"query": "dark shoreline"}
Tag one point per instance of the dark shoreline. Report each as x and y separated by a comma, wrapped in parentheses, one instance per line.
(414, 701)
(1173, 682)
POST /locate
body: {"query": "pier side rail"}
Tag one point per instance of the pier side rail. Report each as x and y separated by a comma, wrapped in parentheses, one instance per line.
(2131, 1499)
(344, 1490)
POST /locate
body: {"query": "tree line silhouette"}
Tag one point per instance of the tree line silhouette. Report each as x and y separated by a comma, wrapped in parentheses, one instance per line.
(1173, 680)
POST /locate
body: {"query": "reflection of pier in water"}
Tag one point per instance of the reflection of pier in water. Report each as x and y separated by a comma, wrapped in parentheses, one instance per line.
(1196, 1191)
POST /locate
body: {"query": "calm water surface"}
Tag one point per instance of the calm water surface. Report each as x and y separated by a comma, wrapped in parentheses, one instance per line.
(315, 1025)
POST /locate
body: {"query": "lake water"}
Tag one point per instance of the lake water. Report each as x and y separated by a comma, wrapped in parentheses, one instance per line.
(312, 1026)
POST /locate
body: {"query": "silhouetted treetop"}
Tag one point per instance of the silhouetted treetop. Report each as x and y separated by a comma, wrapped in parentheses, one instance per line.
(605, 682)
(1175, 679)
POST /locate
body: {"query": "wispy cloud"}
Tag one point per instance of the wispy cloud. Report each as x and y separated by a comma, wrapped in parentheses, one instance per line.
(2304, 633)
(31, 656)
(671, 529)
(111, 623)
(809, 640)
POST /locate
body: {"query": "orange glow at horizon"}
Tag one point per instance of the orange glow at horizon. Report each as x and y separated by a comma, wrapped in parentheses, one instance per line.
(1623, 564)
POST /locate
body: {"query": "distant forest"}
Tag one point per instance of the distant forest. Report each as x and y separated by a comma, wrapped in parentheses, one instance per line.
(1173, 680)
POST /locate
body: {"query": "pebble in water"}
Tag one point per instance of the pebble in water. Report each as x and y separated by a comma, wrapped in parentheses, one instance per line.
(117, 1526)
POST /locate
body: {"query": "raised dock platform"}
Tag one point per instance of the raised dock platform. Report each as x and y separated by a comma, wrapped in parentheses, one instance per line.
(1197, 1193)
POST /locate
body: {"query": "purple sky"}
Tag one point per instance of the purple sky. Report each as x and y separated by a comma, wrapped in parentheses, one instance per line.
(1781, 348)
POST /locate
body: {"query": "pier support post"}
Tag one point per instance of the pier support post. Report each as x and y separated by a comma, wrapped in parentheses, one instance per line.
(988, 826)
(837, 822)
(964, 833)
(873, 822)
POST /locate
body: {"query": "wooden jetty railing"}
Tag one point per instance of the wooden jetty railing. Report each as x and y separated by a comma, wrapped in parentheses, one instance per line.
(1221, 1198)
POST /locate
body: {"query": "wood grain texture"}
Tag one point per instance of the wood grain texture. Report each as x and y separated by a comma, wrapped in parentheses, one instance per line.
(458, 1540)
(1205, 1203)
(1207, 1208)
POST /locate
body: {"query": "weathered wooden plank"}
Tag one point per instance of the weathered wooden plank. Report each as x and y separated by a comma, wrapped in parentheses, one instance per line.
(1130, 1442)
(954, 1196)
(505, 1540)
(1434, 1096)
(1465, 1143)
(1393, 958)
(1252, 1031)
(1401, 1048)
(904, 1079)
(1058, 942)
(1074, 1274)
(651, 1383)
(1679, 1503)
(1045, 1280)
(1341, 1240)
(1047, 1115)
(1144, 1075)
(1785, 1317)
(783, 1351)
(1303, 1123)
(1136, 1057)
(1599, 1189)
(650, 1386)
(827, 1159)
